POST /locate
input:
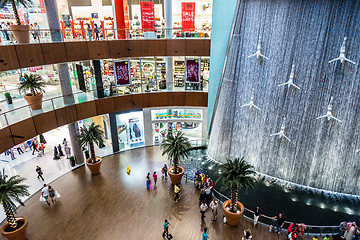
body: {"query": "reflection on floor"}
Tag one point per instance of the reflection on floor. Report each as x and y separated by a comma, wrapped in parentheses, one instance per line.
(114, 205)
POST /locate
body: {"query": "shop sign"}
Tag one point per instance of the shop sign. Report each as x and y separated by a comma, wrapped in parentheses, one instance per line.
(188, 16)
(147, 16)
(192, 72)
(122, 73)
(32, 69)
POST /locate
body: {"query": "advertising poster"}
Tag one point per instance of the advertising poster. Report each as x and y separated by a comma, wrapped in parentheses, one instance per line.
(188, 16)
(147, 16)
(122, 73)
(192, 70)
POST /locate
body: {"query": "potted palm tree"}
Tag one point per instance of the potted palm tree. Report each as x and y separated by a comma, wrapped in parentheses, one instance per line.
(11, 191)
(32, 86)
(90, 136)
(177, 147)
(21, 32)
(235, 174)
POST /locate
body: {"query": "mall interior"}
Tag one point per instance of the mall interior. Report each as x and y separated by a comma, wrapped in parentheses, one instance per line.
(273, 82)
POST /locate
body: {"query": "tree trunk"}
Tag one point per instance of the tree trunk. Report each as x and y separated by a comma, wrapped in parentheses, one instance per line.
(13, 4)
(234, 198)
(92, 152)
(176, 165)
(10, 216)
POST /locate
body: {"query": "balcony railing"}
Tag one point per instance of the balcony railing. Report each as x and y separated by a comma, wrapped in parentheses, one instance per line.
(21, 113)
(68, 34)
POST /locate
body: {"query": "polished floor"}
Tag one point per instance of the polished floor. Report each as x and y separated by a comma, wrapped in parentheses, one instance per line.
(114, 205)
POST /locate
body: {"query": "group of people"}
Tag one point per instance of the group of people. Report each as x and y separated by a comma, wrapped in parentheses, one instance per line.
(348, 231)
(34, 145)
(90, 32)
(58, 152)
(7, 34)
(164, 171)
(48, 192)
(205, 184)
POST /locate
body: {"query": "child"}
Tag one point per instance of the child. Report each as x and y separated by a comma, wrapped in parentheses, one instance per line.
(155, 177)
(315, 238)
(327, 237)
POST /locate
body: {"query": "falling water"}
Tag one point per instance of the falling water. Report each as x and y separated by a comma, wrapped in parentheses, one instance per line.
(307, 34)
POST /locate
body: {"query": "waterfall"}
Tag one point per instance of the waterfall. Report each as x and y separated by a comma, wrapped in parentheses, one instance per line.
(307, 34)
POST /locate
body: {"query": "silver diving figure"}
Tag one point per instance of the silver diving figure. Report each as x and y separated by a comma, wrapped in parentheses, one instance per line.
(342, 57)
(290, 82)
(251, 104)
(258, 54)
(329, 114)
(282, 132)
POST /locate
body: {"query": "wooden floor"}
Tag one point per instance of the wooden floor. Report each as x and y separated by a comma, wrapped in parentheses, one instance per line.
(114, 205)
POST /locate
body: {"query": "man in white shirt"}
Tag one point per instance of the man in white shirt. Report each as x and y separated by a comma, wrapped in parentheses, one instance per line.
(45, 193)
(203, 208)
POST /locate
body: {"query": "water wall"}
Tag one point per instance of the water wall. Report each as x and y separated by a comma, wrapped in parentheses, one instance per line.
(319, 153)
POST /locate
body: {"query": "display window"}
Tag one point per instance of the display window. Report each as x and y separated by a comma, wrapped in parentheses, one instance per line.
(176, 114)
(130, 130)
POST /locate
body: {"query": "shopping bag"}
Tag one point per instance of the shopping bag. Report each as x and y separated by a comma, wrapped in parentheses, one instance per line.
(42, 199)
(57, 194)
(224, 218)
(270, 228)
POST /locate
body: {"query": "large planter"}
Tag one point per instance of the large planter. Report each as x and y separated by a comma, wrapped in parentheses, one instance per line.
(94, 167)
(21, 33)
(233, 218)
(18, 234)
(35, 102)
(176, 178)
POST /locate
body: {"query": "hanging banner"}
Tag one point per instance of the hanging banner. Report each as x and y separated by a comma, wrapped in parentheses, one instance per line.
(192, 70)
(122, 73)
(188, 16)
(42, 7)
(147, 16)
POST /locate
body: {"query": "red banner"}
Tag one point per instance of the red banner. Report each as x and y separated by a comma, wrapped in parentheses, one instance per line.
(42, 7)
(147, 16)
(188, 16)
(122, 73)
(192, 70)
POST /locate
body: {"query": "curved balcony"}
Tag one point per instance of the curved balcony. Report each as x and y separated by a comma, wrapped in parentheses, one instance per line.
(22, 123)
(45, 52)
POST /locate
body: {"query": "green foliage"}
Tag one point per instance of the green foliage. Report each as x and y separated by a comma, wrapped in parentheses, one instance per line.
(89, 136)
(177, 147)
(32, 83)
(7, 94)
(11, 191)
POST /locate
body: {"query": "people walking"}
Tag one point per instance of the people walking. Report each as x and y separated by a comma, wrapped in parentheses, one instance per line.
(97, 31)
(56, 154)
(67, 151)
(20, 151)
(45, 194)
(148, 182)
(177, 191)
(61, 154)
(65, 142)
(257, 214)
(203, 208)
(280, 220)
(34, 145)
(12, 155)
(205, 235)
(52, 194)
(39, 172)
(166, 228)
(36, 30)
(155, 178)
(89, 30)
(164, 170)
(214, 208)
(247, 234)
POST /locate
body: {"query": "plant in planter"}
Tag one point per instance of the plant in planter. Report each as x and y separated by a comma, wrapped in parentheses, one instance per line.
(33, 88)
(90, 136)
(176, 147)
(21, 32)
(11, 190)
(8, 98)
(235, 174)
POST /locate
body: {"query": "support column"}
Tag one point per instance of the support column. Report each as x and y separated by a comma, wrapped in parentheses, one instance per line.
(113, 131)
(121, 18)
(64, 76)
(149, 139)
(169, 60)
(98, 78)
(81, 79)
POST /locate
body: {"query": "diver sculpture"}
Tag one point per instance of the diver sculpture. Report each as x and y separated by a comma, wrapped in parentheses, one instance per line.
(329, 114)
(251, 104)
(342, 57)
(290, 82)
(258, 54)
(282, 132)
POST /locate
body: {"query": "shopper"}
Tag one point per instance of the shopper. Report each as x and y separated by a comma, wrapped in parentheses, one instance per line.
(315, 238)
(280, 220)
(45, 194)
(214, 208)
(36, 29)
(67, 151)
(257, 214)
(148, 182)
(34, 145)
(56, 154)
(166, 228)
(203, 208)
(247, 234)
(177, 191)
(61, 154)
(52, 194)
(327, 237)
(39, 172)
(20, 151)
(65, 142)
(197, 179)
(97, 31)
(165, 169)
(12, 154)
(89, 30)
(204, 234)
(302, 228)
(342, 228)
(155, 178)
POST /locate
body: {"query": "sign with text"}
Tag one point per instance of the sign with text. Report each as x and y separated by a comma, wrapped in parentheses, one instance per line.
(192, 72)
(122, 73)
(147, 16)
(188, 16)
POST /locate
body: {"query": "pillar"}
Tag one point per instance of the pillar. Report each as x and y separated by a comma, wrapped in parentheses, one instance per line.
(148, 133)
(98, 79)
(64, 76)
(169, 60)
(113, 132)
(121, 17)
(81, 79)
